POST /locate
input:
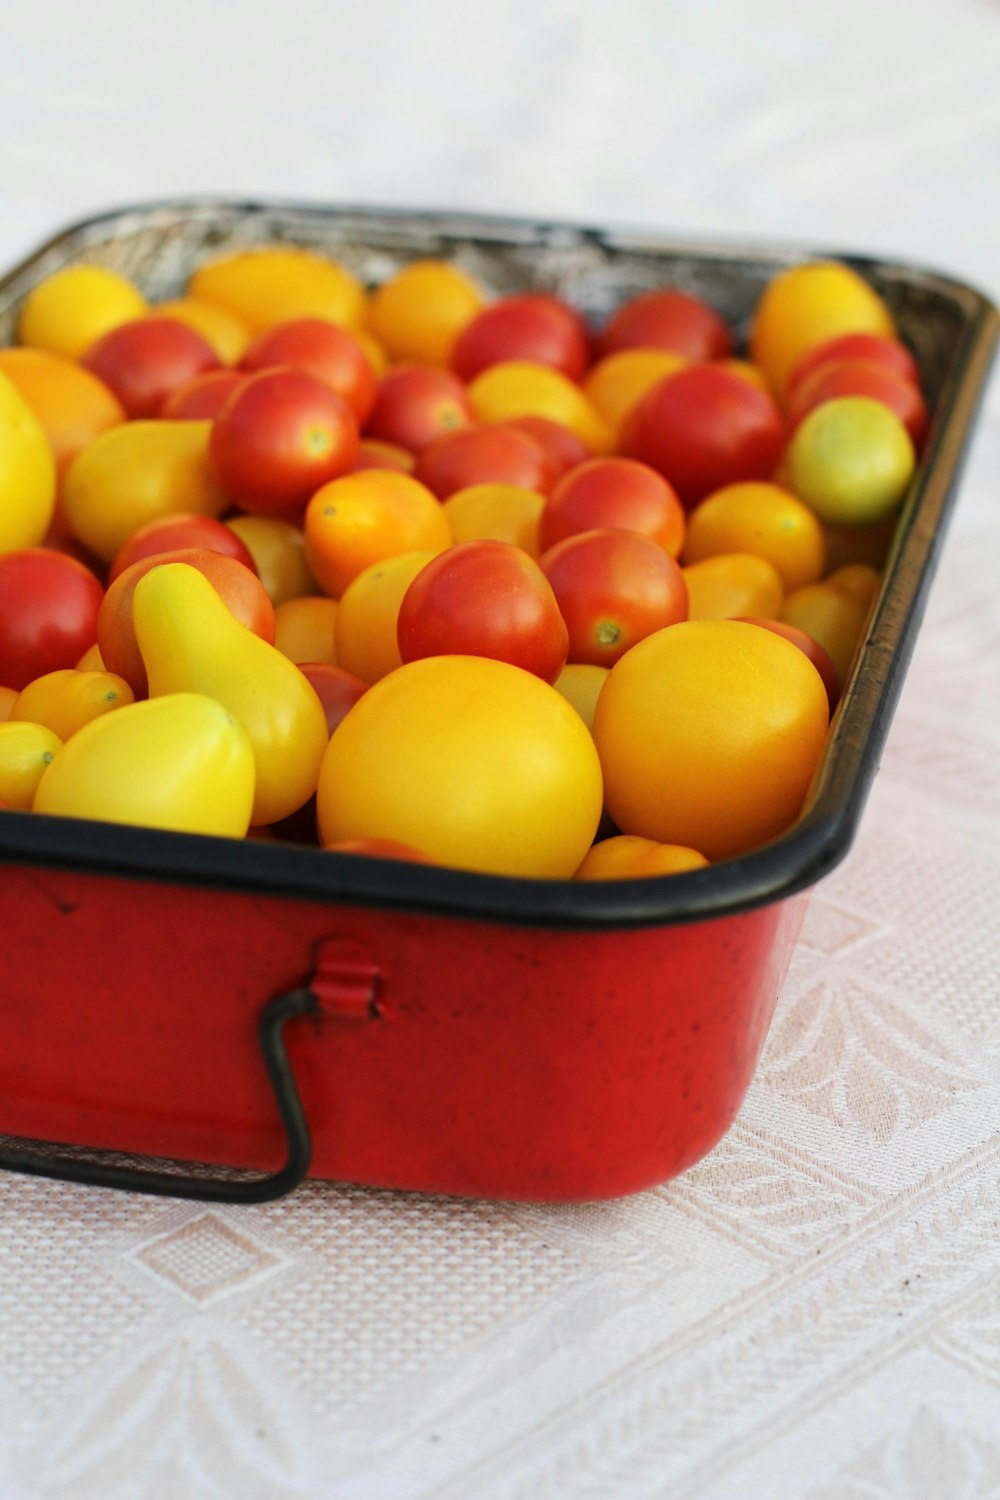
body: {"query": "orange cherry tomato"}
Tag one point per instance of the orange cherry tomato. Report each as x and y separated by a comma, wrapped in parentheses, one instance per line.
(64, 701)
(365, 518)
(763, 519)
(628, 857)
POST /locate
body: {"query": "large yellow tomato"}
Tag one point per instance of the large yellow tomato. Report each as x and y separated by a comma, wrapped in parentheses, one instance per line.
(709, 733)
(475, 762)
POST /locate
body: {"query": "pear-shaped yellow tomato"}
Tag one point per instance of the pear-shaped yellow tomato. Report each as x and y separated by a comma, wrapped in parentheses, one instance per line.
(709, 733)
(181, 762)
(477, 763)
(26, 752)
(137, 473)
(272, 284)
(190, 642)
(74, 307)
(66, 700)
(27, 473)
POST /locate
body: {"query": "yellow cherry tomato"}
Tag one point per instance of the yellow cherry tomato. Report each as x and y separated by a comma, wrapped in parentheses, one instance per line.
(496, 512)
(709, 733)
(181, 762)
(26, 752)
(832, 616)
(65, 701)
(305, 629)
(628, 857)
(618, 382)
(92, 660)
(418, 313)
(731, 585)
(368, 611)
(476, 763)
(806, 306)
(136, 473)
(221, 328)
(278, 549)
(74, 307)
(27, 473)
(272, 284)
(520, 388)
(366, 517)
(859, 579)
(763, 519)
(72, 405)
(580, 684)
(851, 460)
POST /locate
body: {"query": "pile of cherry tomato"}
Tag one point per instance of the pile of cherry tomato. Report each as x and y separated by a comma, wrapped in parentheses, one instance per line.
(418, 573)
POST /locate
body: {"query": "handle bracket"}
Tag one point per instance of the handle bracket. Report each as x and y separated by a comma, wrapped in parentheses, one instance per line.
(283, 1008)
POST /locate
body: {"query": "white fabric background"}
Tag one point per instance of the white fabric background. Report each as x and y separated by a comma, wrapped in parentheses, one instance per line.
(815, 1310)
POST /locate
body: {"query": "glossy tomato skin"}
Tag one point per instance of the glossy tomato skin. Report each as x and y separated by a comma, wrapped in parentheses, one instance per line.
(202, 398)
(872, 348)
(240, 589)
(49, 604)
(613, 589)
(857, 377)
(535, 326)
(322, 349)
(484, 598)
(281, 435)
(174, 532)
(614, 492)
(816, 653)
(142, 362)
(414, 404)
(670, 320)
(562, 448)
(705, 427)
(484, 455)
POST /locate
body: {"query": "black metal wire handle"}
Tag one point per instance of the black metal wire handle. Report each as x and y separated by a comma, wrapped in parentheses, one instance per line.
(282, 1008)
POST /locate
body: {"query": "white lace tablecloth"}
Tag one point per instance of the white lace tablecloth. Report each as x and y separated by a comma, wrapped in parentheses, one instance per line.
(814, 1311)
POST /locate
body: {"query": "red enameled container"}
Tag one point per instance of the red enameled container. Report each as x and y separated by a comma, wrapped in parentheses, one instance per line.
(434, 1029)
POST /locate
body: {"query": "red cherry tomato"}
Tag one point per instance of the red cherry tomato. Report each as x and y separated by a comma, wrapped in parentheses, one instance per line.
(816, 653)
(322, 349)
(613, 589)
(484, 455)
(415, 404)
(337, 689)
(563, 448)
(239, 588)
(614, 492)
(873, 348)
(201, 399)
(667, 320)
(536, 327)
(855, 377)
(484, 598)
(145, 360)
(281, 436)
(171, 533)
(704, 427)
(49, 604)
